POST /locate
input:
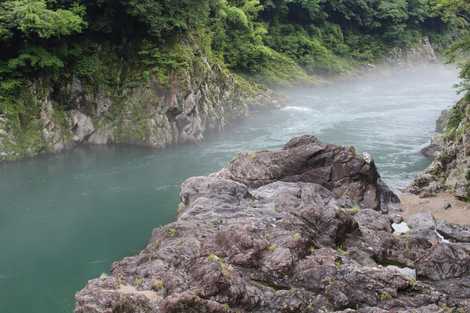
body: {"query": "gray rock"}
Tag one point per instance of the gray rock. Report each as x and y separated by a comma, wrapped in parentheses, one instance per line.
(261, 236)
(82, 126)
(102, 136)
(405, 271)
(422, 225)
(447, 206)
(451, 153)
(201, 99)
(441, 122)
(453, 232)
(430, 150)
(339, 169)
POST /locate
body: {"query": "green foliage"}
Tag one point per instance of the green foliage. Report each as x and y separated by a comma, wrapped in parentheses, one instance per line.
(385, 296)
(306, 50)
(164, 18)
(35, 18)
(455, 120)
(239, 38)
(118, 44)
(457, 13)
(36, 58)
(167, 61)
(264, 39)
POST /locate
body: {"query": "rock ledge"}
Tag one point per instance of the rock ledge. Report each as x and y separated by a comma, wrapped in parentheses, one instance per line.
(304, 229)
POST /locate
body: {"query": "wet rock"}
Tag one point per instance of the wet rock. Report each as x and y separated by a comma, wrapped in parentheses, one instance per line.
(278, 232)
(102, 136)
(430, 151)
(435, 147)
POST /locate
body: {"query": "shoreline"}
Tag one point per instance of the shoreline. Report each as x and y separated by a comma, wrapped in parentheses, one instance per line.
(443, 206)
(268, 99)
(272, 230)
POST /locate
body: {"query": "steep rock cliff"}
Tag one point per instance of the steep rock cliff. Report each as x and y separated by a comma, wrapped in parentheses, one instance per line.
(202, 98)
(450, 149)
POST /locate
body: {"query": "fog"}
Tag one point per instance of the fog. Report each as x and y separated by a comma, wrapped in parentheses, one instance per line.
(389, 112)
(66, 217)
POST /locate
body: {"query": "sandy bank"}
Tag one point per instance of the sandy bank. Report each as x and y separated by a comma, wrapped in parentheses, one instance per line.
(458, 212)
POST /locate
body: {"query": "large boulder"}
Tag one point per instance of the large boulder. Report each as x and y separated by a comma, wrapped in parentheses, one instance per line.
(283, 231)
(350, 176)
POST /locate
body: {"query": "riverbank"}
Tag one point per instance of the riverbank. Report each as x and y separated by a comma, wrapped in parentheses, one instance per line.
(443, 206)
(204, 99)
(450, 154)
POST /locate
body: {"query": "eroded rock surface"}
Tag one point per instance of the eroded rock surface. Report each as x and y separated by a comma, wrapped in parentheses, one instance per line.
(450, 150)
(303, 229)
(203, 99)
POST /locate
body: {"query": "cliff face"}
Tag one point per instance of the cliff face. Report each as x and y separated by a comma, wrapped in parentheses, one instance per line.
(203, 98)
(308, 228)
(450, 169)
(422, 52)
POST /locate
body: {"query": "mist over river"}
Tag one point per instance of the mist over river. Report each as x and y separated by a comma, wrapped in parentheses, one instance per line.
(65, 218)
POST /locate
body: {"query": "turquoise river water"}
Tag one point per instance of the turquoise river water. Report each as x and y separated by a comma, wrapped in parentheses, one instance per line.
(65, 218)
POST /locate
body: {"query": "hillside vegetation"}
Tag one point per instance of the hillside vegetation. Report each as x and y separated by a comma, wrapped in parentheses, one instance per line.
(47, 45)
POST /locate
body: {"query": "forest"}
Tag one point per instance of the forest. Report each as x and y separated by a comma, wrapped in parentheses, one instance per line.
(271, 42)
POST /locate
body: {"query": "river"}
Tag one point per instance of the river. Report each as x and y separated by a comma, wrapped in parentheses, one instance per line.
(65, 218)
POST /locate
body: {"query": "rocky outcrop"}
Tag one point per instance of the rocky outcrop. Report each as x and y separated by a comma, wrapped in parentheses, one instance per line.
(423, 52)
(304, 229)
(450, 169)
(200, 99)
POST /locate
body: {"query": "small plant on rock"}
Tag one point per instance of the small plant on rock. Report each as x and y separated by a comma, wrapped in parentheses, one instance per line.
(158, 284)
(138, 281)
(354, 210)
(385, 296)
(341, 250)
(272, 247)
(338, 263)
(297, 236)
(171, 232)
(213, 258)
(312, 249)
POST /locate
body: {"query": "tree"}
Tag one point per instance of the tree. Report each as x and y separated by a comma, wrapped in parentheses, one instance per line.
(33, 18)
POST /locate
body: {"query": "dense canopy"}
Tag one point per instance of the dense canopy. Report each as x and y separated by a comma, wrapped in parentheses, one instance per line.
(270, 41)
